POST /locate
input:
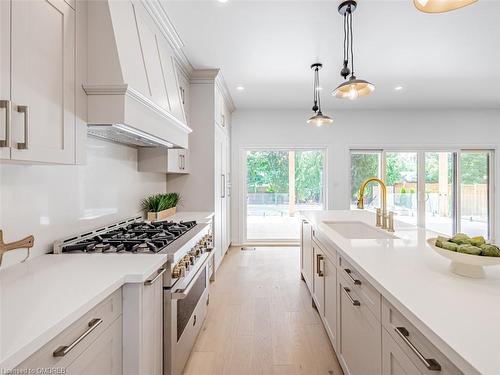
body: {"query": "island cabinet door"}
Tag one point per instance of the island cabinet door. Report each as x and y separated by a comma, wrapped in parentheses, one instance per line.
(331, 300)
(306, 256)
(359, 339)
(394, 360)
(319, 278)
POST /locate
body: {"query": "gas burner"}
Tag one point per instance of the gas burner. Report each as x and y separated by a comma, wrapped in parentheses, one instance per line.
(132, 237)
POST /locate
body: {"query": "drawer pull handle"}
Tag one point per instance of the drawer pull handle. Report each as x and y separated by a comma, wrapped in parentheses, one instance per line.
(349, 273)
(430, 363)
(161, 271)
(354, 302)
(63, 350)
(26, 110)
(319, 262)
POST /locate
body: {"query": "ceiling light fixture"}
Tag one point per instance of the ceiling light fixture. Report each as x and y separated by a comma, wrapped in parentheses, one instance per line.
(319, 119)
(240, 88)
(398, 88)
(222, 1)
(441, 6)
(353, 87)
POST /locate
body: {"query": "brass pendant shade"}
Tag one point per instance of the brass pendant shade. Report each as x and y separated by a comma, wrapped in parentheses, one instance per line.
(441, 6)
(353, 89)
(319, 119)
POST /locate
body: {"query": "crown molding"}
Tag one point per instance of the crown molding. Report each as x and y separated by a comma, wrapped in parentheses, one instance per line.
(219, 80)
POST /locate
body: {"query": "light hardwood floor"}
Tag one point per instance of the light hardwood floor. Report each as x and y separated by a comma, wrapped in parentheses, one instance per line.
(260, 320)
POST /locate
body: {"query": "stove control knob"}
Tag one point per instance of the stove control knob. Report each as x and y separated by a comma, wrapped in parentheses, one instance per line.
(182, 271)
(176, 272)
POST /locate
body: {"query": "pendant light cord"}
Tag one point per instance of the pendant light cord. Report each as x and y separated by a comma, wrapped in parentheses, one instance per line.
(346, 45)
(316, 89)
(352, 44)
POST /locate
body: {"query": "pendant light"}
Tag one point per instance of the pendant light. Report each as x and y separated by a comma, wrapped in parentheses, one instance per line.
(441, 6)
(353, 87)
(319, 119)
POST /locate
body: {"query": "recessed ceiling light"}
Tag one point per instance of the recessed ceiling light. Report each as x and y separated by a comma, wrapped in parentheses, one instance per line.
(398, 88)
(319, 88)
(240, 88)
(222, 1)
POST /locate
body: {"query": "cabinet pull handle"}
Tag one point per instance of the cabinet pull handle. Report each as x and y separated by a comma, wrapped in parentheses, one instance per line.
(349, 273)
(7, 104)
(24, 109)
(223, 186)
(354, 302)
(430, 363)
(161, 271)
(63, 350)
(319, 259)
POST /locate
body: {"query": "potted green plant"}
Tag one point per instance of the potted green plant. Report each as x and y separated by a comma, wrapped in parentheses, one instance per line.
(160, 206)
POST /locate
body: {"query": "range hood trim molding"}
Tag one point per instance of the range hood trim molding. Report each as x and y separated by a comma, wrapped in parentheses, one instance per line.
(126, 90)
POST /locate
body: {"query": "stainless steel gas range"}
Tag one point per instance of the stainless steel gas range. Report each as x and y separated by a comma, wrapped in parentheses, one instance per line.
(188, 246)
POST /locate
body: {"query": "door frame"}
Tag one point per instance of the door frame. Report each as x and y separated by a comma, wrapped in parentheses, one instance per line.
(242, 185)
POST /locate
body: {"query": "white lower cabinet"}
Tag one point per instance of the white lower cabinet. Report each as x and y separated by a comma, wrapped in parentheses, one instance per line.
(330, 318)
(319, 278)
(92, 345)
(394, 360)
(306, 256)
(104, 356)
(359, 339)
(369, 335)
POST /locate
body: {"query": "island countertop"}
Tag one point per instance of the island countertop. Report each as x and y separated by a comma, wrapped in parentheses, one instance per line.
(460, 315)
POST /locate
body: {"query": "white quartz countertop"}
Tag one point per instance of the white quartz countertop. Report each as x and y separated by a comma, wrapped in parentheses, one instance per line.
(45, 295)
(460, 315)
(200, 217)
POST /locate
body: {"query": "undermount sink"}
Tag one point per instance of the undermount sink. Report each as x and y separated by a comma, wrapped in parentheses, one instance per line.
(357, 230)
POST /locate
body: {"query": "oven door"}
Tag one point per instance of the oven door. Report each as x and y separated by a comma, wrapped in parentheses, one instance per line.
(184, 316)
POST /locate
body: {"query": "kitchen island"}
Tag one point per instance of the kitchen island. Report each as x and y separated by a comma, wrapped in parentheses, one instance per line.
(382, 286)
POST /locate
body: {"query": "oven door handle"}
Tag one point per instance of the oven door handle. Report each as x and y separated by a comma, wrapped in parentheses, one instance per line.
(183, 293)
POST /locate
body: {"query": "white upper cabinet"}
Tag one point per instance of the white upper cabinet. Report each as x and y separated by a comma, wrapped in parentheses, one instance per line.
(40, 79)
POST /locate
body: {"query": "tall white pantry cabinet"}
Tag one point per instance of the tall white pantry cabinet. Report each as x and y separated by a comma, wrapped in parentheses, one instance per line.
(207, 186)
(38, 81)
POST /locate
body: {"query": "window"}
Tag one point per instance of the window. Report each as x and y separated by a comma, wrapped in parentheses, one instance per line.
(445, 191)
(440, 191)
(401, 181)
(279, 184)
(365, 164)
(474, 193)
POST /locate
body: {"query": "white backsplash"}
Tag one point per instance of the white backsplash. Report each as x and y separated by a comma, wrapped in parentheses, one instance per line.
(55, 201)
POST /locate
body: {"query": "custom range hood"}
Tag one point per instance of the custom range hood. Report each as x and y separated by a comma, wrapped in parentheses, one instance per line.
(133, 88)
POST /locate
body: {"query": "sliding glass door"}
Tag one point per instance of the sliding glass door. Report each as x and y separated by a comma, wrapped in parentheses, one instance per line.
(280, 183)
(440, 190)
(445, 191)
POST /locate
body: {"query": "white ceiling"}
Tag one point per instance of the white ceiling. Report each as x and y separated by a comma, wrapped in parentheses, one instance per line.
(449, 60)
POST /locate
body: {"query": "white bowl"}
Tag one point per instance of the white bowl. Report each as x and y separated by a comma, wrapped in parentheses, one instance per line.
(465, 264)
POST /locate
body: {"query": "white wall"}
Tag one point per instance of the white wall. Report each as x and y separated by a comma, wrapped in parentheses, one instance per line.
(421, 128)
(55, 201)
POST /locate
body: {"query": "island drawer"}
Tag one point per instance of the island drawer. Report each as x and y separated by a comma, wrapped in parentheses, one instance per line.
(422, 353)
(361, 286)
(81, 334)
